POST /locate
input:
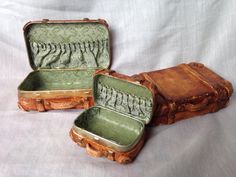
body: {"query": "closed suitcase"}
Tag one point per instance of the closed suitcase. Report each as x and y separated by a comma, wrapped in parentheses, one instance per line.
(187, 90)
(64, 55)
(115, 127)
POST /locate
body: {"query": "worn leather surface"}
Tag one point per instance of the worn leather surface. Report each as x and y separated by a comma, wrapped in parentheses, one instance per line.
(145, 36)
(187, 90)
(95, 149)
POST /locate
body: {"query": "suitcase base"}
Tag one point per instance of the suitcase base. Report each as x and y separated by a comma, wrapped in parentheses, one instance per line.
(41, 105)
(56, 89)
(211, 108)
(97, 150)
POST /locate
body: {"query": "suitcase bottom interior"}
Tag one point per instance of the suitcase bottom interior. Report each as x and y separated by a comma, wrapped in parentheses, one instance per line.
(110, 128)
(58, 80)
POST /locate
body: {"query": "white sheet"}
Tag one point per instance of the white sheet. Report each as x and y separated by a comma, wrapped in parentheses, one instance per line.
(146, 35)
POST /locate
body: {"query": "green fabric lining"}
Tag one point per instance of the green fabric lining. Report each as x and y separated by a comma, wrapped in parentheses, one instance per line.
(68, 45)
(58, 80)
(110, 125)
(123, 96)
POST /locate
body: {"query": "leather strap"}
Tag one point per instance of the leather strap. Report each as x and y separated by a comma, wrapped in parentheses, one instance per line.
(172, 112)
(198, 106)
(40, 105)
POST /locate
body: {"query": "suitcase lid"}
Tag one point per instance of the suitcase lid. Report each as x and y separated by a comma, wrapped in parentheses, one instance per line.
(124, 94)
(181, 84)
(68, 44)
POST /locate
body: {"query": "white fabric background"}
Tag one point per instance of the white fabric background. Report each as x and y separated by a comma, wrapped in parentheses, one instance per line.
(146, 35)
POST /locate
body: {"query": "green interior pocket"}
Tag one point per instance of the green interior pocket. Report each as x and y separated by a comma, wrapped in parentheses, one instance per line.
(68, 45)
(122, 96)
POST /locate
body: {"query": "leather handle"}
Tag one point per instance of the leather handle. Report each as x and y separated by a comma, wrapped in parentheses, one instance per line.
(197, 107)
(63, 105)
(93, 152)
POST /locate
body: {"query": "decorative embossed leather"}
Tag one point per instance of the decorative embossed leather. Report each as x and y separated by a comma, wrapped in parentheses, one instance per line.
(95, 149)
(41, 105)
(187, 90)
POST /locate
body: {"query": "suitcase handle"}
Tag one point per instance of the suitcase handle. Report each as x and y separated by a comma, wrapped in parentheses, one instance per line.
(197, 107)
(93, 152)
(65, 104)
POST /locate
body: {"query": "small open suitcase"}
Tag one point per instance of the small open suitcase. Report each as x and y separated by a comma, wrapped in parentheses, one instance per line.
(114, 127)
(64, 55)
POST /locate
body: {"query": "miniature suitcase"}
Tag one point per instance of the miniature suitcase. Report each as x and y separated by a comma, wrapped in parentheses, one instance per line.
(187, 90)
(64, 55)
(115, 127)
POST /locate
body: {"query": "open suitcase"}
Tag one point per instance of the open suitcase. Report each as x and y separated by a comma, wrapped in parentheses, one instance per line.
(115, 126)
(64, 55)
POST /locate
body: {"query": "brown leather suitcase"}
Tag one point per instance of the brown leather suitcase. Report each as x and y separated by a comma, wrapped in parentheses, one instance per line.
(113, 128)
(64, 55)
(187, 90)
(177, 93)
